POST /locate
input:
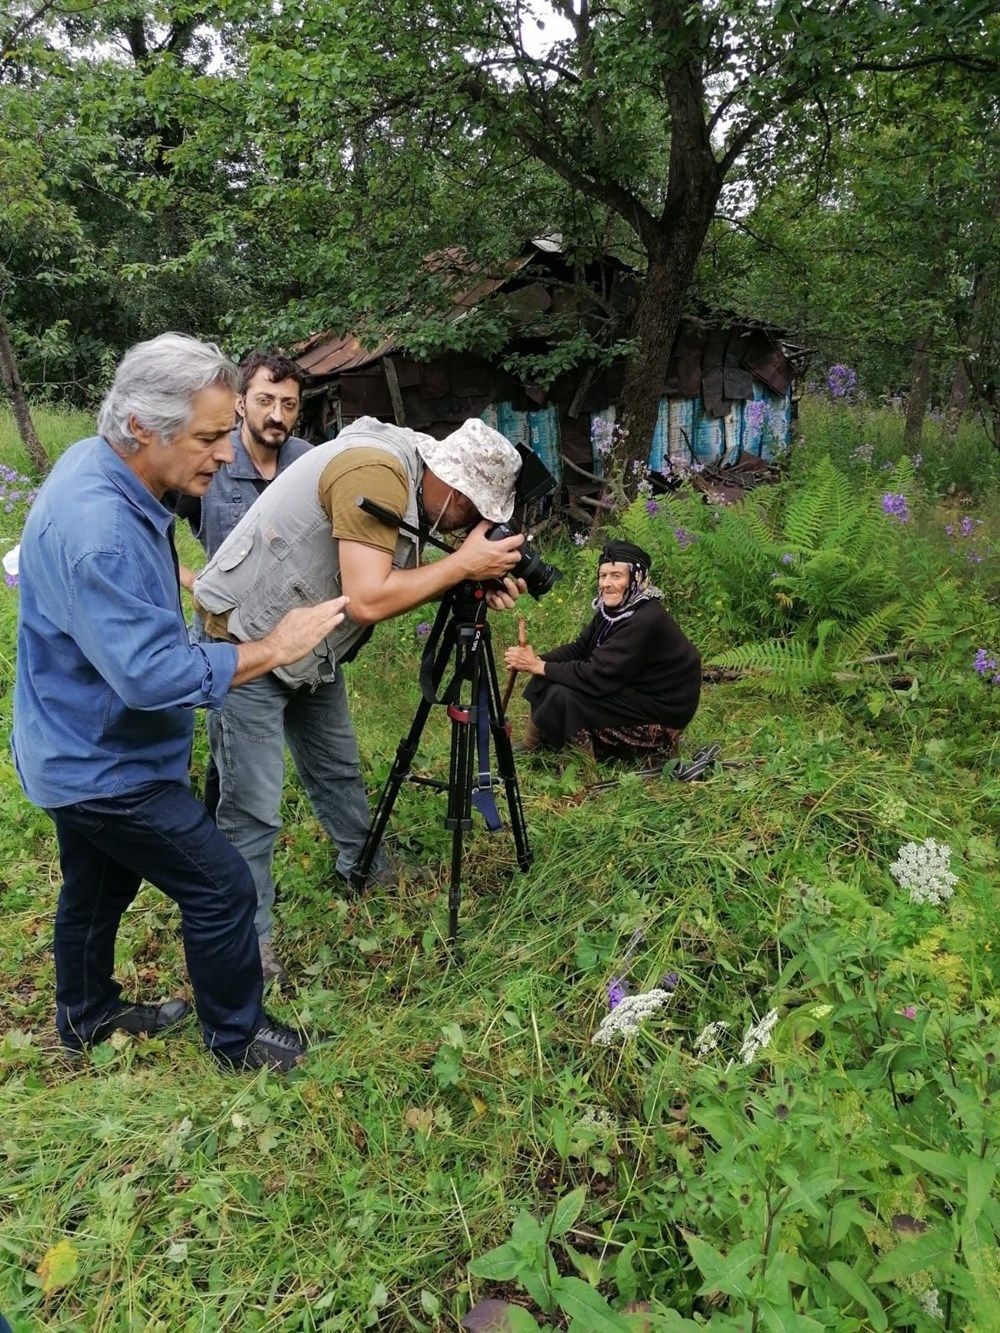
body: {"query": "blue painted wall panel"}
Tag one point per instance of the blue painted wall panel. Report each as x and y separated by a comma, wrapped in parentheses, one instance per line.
(683, 430)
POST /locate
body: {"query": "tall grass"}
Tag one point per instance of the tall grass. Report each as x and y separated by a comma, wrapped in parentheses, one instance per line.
(58, 427)
(457, 1091)
(865, 435)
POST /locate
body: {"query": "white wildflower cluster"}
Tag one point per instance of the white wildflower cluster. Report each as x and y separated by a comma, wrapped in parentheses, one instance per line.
(628, 1016)
(892, 811)
(923, 869)
(596, 1118)
(709, 1037)
(758, 1036)
(930, 1303)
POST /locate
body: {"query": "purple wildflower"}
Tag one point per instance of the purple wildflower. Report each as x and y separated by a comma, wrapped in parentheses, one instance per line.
(670, 981)
(841, 381)
(617, 990)
(968, 526)
(423, 629)
(909, 1011)
(10, 579)
(756, 412)
(895, 506)
(685, 538)
(788, 558)
(983, 663)
(974, 558)
(950, 529)
(652, 508)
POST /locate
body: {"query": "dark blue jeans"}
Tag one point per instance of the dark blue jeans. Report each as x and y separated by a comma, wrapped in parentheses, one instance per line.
(158, 832)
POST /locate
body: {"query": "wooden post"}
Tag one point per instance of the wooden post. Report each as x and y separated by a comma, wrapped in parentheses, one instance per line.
(392, 382)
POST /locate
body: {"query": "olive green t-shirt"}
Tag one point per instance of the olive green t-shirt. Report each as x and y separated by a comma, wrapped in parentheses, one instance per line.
(371, 473)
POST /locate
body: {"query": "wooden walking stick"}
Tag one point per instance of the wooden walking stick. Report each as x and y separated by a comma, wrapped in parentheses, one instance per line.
(522, 642)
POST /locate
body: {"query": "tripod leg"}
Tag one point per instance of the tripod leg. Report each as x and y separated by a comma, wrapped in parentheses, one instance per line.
(444, 637)
(505, 756)
(463, 752)
(398, 774)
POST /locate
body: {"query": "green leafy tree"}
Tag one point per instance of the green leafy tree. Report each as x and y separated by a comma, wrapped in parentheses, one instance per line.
(644, 112)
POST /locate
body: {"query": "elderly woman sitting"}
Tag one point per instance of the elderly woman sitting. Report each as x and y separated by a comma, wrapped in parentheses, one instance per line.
(629, 684)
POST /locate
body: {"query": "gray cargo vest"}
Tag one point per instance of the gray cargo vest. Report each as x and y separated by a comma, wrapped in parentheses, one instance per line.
(281, 554)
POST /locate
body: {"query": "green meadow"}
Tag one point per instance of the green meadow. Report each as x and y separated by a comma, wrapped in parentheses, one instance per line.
(802, 1132)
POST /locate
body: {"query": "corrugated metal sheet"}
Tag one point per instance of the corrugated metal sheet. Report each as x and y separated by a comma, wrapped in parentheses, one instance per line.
(685, 432)
(467, 287)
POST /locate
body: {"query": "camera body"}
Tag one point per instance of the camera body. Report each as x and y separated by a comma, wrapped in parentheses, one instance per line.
(539, 576)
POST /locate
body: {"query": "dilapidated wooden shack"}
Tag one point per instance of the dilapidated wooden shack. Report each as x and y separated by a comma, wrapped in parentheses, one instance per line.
(727, 395)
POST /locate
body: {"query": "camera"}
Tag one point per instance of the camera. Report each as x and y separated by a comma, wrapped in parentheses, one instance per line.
(534, 484)
(538, 574)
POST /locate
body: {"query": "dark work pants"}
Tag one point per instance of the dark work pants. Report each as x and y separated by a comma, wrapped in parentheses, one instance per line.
(211, 792)
(158, 832)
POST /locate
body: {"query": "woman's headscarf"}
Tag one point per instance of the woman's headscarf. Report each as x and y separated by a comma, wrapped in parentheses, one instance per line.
(638, 589)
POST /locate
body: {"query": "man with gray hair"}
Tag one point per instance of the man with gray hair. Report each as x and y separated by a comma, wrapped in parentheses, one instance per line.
(304, 539)
(107, 682)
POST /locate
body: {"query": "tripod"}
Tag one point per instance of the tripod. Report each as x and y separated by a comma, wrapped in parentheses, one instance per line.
(460, 638)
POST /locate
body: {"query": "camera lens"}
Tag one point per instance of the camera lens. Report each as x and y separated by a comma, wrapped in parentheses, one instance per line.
(539, 576)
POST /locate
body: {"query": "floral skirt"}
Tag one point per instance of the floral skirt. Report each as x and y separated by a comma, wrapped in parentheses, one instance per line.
(647, 742)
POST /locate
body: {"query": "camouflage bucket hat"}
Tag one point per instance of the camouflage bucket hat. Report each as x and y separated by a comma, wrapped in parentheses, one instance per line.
(478, 461)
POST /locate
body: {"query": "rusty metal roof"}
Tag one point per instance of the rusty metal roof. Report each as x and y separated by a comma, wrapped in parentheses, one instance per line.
(466, 284)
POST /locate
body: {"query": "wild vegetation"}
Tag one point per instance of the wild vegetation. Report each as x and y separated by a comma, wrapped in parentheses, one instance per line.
(258, 175)
(725, 1057)
(792, 1123)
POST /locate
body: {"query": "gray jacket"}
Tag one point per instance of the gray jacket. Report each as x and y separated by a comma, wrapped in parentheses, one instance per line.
(281, 554)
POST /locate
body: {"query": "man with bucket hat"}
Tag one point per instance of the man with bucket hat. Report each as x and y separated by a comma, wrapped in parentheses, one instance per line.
(306, 540)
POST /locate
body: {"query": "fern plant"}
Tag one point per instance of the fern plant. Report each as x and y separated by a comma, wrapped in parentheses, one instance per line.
(808, 579)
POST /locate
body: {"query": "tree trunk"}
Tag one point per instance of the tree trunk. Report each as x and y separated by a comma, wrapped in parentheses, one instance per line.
(11, 379)
(674, 240)
(967, 367)
(654, 327)
(962, 384)
(958, 399)
(657, 318)
(916, 401)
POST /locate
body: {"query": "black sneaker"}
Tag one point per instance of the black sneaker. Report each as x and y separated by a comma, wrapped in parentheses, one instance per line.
(274, 1046)
(149, 1019)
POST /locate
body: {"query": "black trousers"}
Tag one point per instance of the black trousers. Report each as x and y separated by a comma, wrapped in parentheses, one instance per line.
(160, 833)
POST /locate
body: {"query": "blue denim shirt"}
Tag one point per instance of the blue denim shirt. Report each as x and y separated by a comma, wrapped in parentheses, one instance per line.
(106, 678)
(233, 490)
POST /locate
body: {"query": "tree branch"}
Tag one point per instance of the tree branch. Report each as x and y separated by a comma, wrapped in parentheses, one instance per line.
(630, 209)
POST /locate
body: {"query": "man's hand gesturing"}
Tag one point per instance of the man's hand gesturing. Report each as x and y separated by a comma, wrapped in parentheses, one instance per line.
(299, 631)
